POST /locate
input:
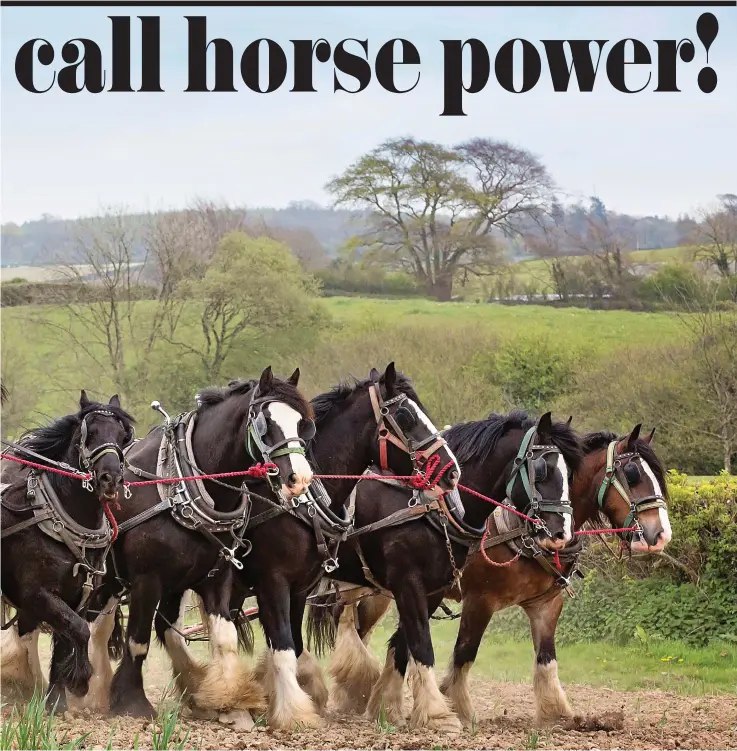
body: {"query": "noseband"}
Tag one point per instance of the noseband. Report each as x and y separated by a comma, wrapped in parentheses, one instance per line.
(528, 452)
(614, 476)
(90, 457)
(419, 452)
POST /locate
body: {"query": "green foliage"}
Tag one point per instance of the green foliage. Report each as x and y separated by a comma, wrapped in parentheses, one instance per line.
(32, 727)
(673, 282)
(531, 372)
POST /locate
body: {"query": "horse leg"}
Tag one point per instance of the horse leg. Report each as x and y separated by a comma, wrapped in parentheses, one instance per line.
(353, 668)
(475, 617)
(430, 706)
(101, 629)
(387, 693)
(227, 685)
(70, 665)
(370, 612)
(126, 690)
(20, 666)
(288, 703)
(550, 698)
(309, 673)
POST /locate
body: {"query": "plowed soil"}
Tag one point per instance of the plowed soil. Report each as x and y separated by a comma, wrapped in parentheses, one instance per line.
(606, 719)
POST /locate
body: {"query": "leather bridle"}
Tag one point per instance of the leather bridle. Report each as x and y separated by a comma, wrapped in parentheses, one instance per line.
(90, 457)
(614, 475)
(419, 451)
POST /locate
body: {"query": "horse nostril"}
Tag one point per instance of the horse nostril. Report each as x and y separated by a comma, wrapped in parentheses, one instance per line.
(292, 480)
(106, 478)
(560, 536)
(453, 475)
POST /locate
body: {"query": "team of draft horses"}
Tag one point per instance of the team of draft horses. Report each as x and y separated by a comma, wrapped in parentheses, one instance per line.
(337, 506)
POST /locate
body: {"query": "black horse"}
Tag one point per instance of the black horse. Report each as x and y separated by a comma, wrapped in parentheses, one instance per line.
(508, 456)
(189, 538)
(56, 538)
(378, 421)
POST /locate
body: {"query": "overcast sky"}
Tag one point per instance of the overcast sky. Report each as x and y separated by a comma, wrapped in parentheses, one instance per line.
(70, 154)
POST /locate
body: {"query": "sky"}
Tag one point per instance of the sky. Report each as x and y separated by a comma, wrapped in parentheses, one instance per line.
(72, 155)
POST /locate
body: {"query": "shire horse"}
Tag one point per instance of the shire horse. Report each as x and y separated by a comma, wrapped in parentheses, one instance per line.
(187, 535)
(527, 462)
(290, 550)
(621, 480)
(55, 539)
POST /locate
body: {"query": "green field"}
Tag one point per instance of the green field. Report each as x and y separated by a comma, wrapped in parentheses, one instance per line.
(433, 342)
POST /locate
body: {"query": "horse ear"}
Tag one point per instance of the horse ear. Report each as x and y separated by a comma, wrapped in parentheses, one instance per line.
(267, 378)
(545, 424)
(374, 375)
(83, 400)
(649, 439)
(390, 378)
(633, 436)
(294, 378)
(569, 420)
(114, 401)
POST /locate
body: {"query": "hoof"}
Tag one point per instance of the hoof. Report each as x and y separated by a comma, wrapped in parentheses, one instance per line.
(56, 702)
(141, 708)
(548, 720)
(447, 724)
(238, 719)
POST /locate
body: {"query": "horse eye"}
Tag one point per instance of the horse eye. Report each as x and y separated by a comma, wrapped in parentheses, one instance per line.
(405, 419)
(306, 429)
(632, 473)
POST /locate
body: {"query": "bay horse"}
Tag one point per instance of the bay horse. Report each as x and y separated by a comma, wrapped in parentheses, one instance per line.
(528, 462)
(291, 549)
(56, 537)
(181, 541)
(622, 480)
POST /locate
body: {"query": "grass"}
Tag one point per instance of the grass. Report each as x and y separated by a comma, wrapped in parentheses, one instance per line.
(662, 665)
(432, 342)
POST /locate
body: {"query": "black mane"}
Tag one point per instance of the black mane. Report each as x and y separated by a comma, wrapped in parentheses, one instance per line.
(53, 440)
(475, 441)
(323, 403)
(280, 390)
(599, 441)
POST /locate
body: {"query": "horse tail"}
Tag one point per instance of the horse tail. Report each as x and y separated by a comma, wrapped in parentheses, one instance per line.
(117, 640)
(323, 613)
(244, 630)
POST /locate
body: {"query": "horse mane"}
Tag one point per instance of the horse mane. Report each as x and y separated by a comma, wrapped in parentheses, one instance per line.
(323, 403)
(53, 440)
(599, 441)
(280, 390)
(476, 440)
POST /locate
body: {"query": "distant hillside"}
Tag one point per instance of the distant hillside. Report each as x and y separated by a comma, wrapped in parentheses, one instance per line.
(44, 241)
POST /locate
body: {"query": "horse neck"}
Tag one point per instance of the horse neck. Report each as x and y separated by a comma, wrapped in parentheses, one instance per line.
(83, 506)
(219, 445)
(489, 478)
(343, 446)
(585, 488)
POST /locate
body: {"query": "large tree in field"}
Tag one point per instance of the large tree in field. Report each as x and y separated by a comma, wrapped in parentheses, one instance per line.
(434, 208)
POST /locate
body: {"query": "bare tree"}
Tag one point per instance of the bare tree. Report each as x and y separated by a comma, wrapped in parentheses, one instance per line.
(716, 238)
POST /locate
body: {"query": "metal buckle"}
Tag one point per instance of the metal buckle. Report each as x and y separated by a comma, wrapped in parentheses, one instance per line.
(127, 492)
(414, 500)
(330, 565)
(87, 485)
(229, 555)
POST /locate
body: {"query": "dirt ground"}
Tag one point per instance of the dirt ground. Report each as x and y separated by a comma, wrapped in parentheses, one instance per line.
(606, 719)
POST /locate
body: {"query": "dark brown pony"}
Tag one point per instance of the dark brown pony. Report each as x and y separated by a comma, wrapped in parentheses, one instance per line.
(56, 538)
(637, 497)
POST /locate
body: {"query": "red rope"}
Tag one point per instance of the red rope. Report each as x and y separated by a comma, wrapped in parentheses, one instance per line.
(556, 558)
(75, 476)
(111, 518)
(605, 531)
(487, 529)
(258, 470)
(497, 503)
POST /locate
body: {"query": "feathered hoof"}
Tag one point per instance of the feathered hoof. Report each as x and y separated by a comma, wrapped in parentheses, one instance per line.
(446, 723)
(238, 719)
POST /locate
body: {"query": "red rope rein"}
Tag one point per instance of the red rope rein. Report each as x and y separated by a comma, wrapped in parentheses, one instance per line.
(419, 481)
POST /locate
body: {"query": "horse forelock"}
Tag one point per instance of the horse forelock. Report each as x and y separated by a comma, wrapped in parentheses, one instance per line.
(54, 439)
(280, 391)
